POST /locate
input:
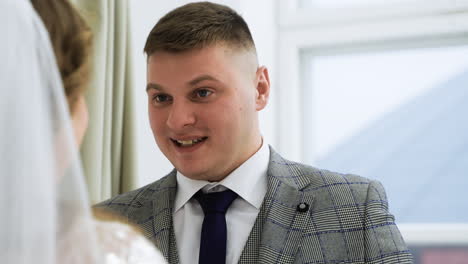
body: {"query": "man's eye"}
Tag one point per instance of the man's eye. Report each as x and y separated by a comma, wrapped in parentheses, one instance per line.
(203, 93)
(161, 98)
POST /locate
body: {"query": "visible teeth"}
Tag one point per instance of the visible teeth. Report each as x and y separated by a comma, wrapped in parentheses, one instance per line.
(189, 142)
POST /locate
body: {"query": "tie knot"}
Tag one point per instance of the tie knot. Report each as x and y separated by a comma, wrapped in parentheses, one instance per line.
(216, 202)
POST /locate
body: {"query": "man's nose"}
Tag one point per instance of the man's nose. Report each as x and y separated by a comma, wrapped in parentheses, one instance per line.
(181, 116)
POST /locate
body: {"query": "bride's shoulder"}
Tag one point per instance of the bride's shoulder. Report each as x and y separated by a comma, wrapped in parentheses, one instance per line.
(124, 243)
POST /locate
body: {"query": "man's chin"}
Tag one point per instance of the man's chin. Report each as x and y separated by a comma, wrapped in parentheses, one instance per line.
(197, 175)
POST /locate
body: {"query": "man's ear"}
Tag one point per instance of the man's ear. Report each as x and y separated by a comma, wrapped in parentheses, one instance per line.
(263, 88)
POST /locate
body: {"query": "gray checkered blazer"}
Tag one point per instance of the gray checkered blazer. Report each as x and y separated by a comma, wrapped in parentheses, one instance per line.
(347, 221)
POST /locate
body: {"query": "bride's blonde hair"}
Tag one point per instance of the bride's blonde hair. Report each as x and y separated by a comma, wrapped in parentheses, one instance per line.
(71, 40)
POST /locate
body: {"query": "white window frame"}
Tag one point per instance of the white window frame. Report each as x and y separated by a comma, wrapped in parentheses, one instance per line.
(291, 15)
(435, 234)
(444, 22)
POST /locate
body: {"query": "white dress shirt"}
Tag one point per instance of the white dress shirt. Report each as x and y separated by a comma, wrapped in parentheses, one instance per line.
(249, 181)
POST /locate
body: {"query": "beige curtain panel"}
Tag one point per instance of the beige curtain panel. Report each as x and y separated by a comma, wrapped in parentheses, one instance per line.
(109, 148)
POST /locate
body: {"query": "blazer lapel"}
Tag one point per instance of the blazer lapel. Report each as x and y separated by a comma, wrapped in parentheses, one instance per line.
(159, 225)
(277, 233)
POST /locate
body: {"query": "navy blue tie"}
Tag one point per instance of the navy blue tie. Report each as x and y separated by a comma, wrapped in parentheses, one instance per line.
(213, 234)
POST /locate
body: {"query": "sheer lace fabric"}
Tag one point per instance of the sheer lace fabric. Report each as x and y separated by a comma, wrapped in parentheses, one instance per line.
(123, 244)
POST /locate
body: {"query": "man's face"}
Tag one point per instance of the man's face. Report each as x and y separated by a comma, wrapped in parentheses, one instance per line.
(203, 106)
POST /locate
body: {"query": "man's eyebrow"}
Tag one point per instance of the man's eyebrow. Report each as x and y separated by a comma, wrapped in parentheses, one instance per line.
(153, 86)
(201, 78)
(193, 82)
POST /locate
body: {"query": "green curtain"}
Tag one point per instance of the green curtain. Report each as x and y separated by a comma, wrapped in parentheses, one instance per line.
(109, 148)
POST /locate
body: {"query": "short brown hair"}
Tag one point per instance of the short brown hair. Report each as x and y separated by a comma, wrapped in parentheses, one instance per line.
(71, 40)
(197, 25)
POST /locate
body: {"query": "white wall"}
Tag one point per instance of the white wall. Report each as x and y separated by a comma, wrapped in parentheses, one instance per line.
(259, 14)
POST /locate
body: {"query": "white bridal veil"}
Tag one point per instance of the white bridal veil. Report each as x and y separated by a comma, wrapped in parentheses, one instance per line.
(44, 211)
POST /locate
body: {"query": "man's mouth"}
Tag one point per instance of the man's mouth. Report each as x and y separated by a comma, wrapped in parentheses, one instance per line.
(188, 143)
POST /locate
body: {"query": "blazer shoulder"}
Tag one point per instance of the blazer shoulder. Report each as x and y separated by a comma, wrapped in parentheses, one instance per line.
(306, 177)
(124, 202)
(333, 177)
(332, 189)
(314, 177)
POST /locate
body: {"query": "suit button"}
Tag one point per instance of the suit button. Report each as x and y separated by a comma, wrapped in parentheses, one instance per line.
(303, 207)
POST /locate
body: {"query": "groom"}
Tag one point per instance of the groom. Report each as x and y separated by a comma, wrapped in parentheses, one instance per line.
(231, 198)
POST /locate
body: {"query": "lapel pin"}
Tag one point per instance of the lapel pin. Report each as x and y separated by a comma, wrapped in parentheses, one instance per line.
(303, 207)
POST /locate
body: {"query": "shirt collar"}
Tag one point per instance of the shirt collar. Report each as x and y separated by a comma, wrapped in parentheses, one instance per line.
(248, 181)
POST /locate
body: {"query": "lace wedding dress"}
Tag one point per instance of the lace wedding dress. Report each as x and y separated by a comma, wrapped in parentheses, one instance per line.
(121, 244)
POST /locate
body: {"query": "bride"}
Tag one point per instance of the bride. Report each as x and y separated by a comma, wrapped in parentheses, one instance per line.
(45, 212)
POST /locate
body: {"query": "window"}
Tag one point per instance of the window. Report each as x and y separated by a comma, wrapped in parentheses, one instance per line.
(364, 87)
(344, 93)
